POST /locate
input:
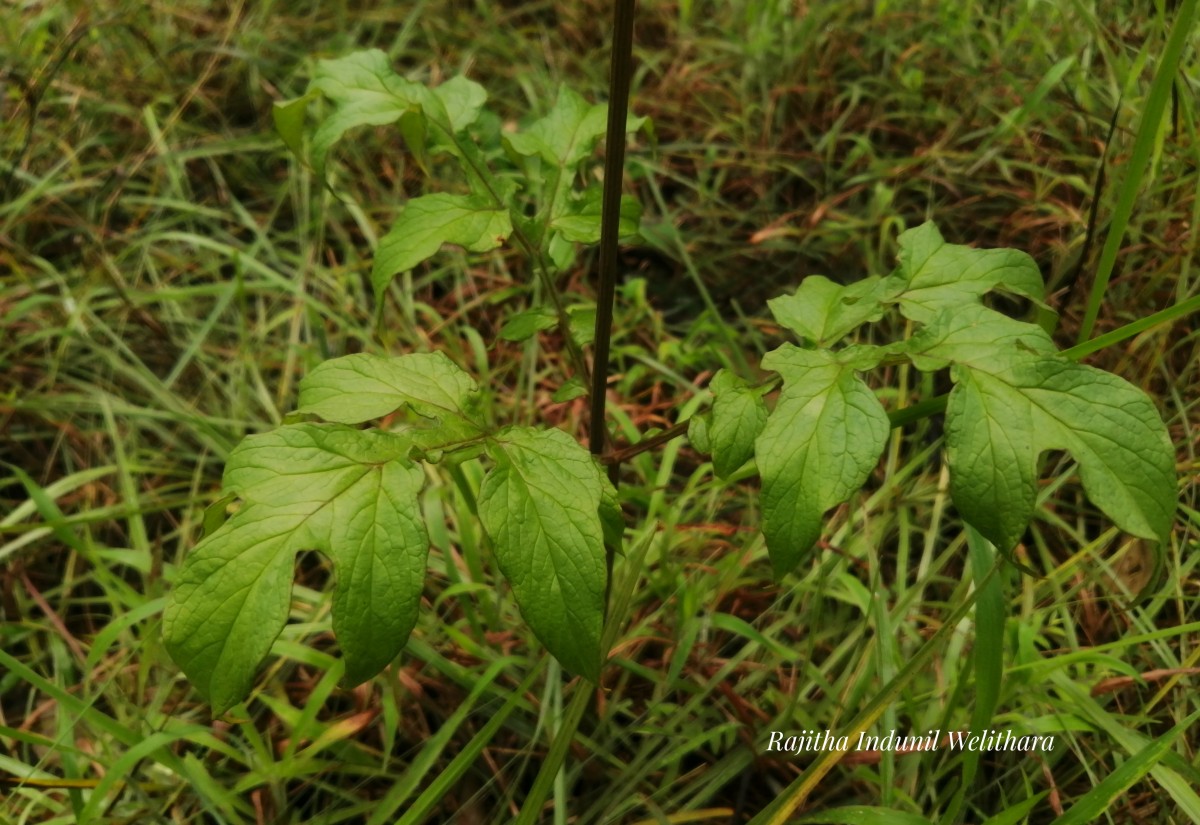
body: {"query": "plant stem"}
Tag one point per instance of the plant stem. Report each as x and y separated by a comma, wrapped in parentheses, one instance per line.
(483, 176)
(620, 74)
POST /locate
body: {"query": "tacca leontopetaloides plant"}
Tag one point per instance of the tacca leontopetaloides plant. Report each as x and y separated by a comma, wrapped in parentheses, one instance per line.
(323, 482)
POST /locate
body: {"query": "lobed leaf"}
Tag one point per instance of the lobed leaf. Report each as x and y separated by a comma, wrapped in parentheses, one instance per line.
(818, 447)
(581, 223)
(350, 494)
(542, 507)
(357, 388)
(1114, 431)
(568, 133)
(427, 222)
(1014, 399)
(366, 91)
(822, 312)
(935, 276)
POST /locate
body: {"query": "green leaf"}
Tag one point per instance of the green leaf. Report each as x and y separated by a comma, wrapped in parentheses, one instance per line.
(352, 495)
(821, 311)
(582, 320)
(993, 464)
(975, 334)
(1003, 413)
(289, 122)
(429, 221)
(541, 507)
(935, 276)
(462, 100)
(819, 446)
(699, 426)
(581, 223)
(1114, 431)
(738, 416)
(361, 387)
(366, 92)
(525, 325)
(571, 389)
(1013, 399)
(568, 133)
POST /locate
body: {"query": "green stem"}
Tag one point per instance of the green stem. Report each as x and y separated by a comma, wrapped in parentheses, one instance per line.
(532, 251)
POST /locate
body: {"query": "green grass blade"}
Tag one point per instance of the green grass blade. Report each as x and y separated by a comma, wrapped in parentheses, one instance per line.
(399, 793)
(856, 815)
(1179, 789)
(779, 812)
(1095, 802)
(988, 655)
(1143, 148)
(448, 778)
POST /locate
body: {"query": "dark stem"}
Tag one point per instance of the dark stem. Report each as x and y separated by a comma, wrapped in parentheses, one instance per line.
(619, 77)
(620, 73)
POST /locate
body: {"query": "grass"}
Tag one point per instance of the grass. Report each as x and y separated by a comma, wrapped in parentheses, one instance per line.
(168, 273)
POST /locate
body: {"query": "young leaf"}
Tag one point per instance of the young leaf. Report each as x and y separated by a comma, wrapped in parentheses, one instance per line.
(582, 322)
(820, 444)
(935, 276)
(351, 494)
(366, 92)
(289, 122)
(581, 223)
(568, 133)
(822, 312)
(461, 102)
(429, 221)
(738, 416)
(525, 325)
(541, 505)
(570, 390)
(357, 388)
